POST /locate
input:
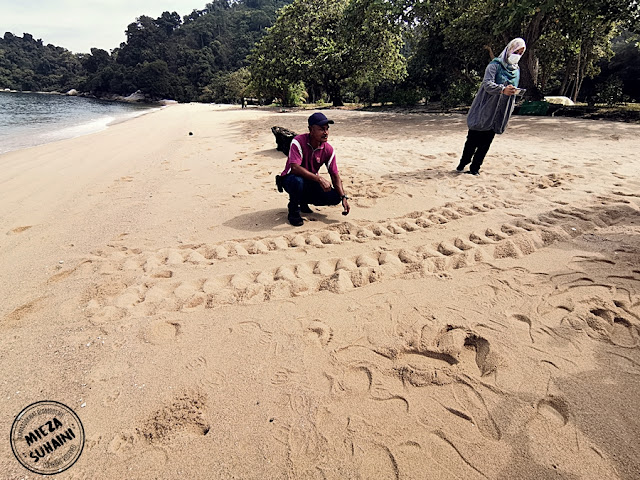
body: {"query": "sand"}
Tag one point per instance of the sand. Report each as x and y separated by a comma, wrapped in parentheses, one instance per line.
(451, 326)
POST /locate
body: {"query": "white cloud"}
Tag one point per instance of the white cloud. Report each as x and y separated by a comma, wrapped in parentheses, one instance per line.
(80, 25)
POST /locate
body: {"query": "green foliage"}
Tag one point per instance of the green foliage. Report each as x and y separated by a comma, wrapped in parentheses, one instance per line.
(328, 44)
(624, 65)
(201, 50)
(611, 92)
(227, 87)
(295, 95)
(565, 39)
(399, 51)
(407, 97)
(27, 64)
(154, 78)
(459, 93)
(168, 56)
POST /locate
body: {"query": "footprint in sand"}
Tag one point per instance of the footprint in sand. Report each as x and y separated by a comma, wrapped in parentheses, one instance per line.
(185, 414)
(286, 376)
(23, 310)
(213, 379)
(623, 333)
(555, 410)
(376, 460)
(122, 444)
(196, 363)
(161, 332)
(111, 399)
(19, 230)
(357, 380)
(321, 331)
(60, 275)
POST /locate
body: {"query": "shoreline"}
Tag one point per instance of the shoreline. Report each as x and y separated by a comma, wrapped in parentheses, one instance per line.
(25, 136)
(134, 98)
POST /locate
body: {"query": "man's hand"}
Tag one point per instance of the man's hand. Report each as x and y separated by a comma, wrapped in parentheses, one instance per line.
(345, 205)
(324, 183)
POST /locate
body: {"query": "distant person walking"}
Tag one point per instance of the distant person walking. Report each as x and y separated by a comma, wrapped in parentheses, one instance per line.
(493, 105)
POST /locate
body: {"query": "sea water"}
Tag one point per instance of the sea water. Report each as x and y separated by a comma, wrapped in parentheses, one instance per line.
(29, 119)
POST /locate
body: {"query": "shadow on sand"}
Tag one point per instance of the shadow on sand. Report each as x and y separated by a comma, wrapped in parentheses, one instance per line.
(272, 153)
(276, 220)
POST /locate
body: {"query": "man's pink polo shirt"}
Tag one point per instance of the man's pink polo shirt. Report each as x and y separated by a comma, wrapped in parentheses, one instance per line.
(302, 153)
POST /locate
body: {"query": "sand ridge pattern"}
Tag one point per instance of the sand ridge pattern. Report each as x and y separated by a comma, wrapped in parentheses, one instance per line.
(407, 252)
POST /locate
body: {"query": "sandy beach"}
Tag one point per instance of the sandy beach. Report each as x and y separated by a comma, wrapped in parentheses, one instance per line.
(450, 326)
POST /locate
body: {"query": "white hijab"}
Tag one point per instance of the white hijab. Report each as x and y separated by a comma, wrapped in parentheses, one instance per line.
(511, 47)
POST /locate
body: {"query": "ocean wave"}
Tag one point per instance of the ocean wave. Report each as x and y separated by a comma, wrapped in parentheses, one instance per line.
(29, 120)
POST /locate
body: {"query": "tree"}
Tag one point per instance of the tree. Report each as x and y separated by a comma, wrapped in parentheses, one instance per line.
(227, 87)
(389, 50)
(143, 39)
(154, 79)
(579, 29)
(168, 22)
(28, 64)
(327, 44)
(620, 73)
(97, 60)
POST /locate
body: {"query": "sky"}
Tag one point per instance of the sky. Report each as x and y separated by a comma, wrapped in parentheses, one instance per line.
(79, 25)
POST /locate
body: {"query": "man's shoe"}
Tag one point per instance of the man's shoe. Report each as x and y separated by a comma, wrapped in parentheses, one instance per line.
(304, 208)
(295, 219)
(279, 183)
(461, 166)
(473, 173)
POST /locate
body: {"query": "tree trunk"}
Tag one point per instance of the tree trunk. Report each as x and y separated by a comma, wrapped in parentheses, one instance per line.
(576, 86)
(528, 76)
(585, 62)
(529, 61)
(564, 87)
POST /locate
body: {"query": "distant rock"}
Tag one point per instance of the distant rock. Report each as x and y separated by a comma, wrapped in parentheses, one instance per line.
(73, 92)
(137, 96)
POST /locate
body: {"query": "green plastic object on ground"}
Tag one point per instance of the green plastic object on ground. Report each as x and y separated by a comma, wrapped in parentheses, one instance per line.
(534, 108)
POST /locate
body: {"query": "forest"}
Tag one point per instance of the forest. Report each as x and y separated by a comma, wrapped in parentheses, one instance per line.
(403, 52)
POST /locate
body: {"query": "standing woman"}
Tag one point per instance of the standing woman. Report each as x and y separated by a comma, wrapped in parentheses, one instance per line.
(493, 105)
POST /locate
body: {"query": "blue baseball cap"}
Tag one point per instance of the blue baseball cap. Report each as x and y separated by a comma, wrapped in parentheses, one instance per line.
(319, 118)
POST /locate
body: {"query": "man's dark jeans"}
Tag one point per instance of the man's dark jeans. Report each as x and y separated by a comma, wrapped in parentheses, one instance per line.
(303, 191)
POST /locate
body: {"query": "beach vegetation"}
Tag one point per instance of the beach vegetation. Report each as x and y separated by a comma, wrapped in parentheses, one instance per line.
(400, 52)
(153, 78)
(567, 40)
(26, 64)
(329, 45)
(610, 92)
(227, 87)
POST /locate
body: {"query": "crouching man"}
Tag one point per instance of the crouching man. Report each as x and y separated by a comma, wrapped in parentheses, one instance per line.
(300, 178)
